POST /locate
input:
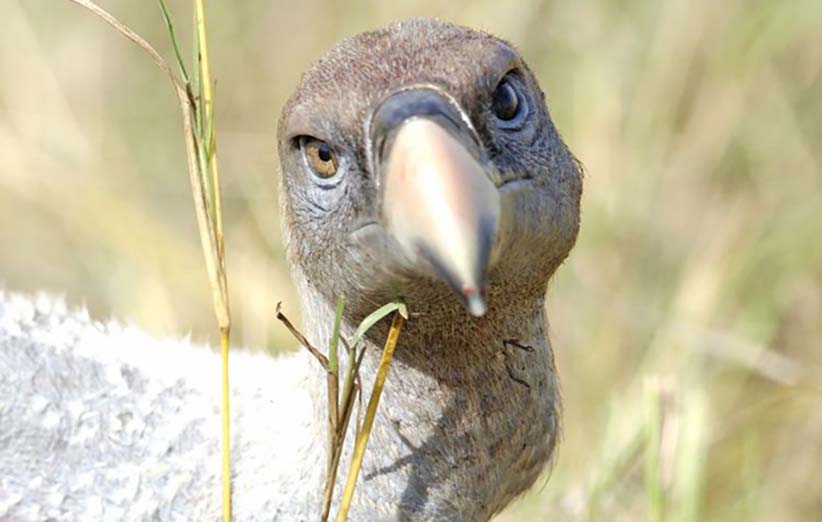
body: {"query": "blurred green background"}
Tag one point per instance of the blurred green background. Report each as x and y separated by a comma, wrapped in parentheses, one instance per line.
(688, 320)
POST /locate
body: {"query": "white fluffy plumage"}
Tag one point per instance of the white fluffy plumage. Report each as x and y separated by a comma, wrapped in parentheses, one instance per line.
(102, 422)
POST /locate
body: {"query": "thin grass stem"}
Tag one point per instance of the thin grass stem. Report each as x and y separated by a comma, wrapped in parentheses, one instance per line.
(170, 26)
(370, 413)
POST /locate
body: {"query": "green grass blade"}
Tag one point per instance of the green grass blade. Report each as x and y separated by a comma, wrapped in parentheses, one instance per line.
(335, 337)
(376, 316)
(174, 43)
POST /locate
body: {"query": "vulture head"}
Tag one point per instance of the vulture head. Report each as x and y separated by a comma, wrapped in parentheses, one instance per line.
(420, 161)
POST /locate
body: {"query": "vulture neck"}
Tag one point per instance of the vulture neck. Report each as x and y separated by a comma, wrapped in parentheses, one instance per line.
(469, 413)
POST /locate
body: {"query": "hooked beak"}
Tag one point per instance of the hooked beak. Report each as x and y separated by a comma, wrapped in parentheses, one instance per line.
(439, 202)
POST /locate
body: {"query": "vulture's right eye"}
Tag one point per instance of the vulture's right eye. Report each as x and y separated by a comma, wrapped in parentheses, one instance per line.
(509, 103)
(505, 101)
(319, 156)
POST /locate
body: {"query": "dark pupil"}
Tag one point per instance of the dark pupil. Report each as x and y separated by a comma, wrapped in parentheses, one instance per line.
(324, 152)
(505, 102)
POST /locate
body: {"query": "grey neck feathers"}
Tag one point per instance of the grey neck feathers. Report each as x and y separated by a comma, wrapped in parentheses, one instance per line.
(469, 414)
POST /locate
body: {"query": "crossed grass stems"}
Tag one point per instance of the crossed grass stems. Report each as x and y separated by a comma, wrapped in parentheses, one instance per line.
(340, 407)
(196, 102)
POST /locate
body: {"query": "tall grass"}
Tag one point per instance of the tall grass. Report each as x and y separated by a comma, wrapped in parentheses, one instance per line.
(695, 286)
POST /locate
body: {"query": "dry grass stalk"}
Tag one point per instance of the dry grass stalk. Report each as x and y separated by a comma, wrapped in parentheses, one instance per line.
(198, 126)
(341, 407)
(370, 412)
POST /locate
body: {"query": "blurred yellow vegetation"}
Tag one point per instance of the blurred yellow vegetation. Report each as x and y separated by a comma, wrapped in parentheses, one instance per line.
(688, 320)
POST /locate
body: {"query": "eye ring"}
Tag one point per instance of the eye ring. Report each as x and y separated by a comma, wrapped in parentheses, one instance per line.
(320, 157)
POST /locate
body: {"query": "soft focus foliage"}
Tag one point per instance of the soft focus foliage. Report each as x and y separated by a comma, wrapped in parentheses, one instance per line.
(687, 322)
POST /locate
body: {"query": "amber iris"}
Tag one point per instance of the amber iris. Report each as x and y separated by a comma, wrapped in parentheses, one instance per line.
(320, 157)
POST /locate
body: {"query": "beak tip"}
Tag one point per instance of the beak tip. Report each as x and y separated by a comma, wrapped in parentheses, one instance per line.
(476, 305)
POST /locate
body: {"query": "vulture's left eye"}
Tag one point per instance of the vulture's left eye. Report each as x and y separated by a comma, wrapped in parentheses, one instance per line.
(505, 101)
(320, 157)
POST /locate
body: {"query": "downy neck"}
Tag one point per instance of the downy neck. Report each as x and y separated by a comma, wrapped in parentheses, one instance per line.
(469, 413)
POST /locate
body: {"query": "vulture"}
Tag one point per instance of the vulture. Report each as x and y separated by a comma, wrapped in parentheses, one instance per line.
(418, 161)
